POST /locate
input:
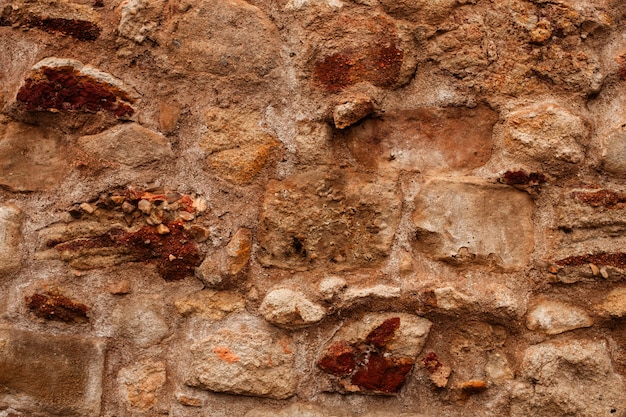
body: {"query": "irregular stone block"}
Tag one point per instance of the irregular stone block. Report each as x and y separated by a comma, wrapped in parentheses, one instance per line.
(230, 264)
(11, 221)
(142, 321)
(50, 374)
(71, 19)
(244, 356)
(140, 19)
(474, 222)
(330, 218)
(128, 144)
(352, 109)
(32, 158)
(211, 304)
(375, 354)
(61, 85)
(550, 136)
(226, 49)
(427, 139)
(140, 384)
(614, 151)
(554, 317)
(288, 308)
(574, 378)
(349, 48)
(238, 148)
(615, 303)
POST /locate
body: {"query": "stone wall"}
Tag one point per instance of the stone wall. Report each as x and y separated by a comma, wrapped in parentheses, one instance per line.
(312, 208)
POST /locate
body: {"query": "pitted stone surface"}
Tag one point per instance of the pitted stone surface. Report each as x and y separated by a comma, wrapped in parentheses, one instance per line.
(244, 356)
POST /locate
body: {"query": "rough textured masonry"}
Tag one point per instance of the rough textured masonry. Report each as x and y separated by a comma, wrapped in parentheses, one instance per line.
(312, 208)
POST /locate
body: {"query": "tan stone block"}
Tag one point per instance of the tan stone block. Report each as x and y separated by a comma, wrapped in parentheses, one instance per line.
(11, 221)
(50, 374)
(470, 221)
(140, 384)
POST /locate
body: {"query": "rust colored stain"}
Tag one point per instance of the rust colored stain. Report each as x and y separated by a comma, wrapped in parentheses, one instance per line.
(225, 354)
(617, 259)
(600, 198)
(382, 374)
(431, 362)
(382, 334)
(340, 360)
(64, 89)
(523, 178)
(56, 307)
(174, 254)
(78, 29)
(379, 64)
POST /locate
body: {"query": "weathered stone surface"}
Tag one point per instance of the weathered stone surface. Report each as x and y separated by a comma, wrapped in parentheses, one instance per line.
(474, 222)
(375, 354)
(241, 42)
(350, 48)
(142, 321)
(425, 11)
(331, 286)
(568, 378)
(32, 158)
(614, 151)
(140, 384)
(140, 19)
(50, 374)
(427, 139)
(288, 308)
(229, 265)
(380, 291)
(554, 317)
(237, 147)
(128, 144)
(78, 21)
(352, 109)
(244, 356)
(62, 85)
(11, 222)
(549, 135)
(211, 304)
(331, 218)
(615, 303)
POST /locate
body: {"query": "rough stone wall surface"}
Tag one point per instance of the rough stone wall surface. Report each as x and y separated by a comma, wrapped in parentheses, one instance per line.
(312, 208)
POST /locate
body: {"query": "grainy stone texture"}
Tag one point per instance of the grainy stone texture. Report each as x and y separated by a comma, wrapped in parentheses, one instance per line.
(50, 374)
(312, 208)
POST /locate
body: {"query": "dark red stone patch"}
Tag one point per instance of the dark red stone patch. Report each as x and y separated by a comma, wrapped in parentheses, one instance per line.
(523, 178)
(379, 64)
(57, 307)
(617, 260)
(78, 29)
(382, 374)
(431, 362)
(381, 335)
(339, 360)
(621, 61)
(175, 254)
(600, 198)
(65, 89)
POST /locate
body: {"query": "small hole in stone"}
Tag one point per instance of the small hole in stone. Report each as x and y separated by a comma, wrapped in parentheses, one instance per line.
(613, 411)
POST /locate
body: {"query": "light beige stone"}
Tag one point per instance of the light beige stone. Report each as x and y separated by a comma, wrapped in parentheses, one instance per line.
(614, 151)
(554, 317)
(615, 303)
(128, 144)
(473, 222)
(141, 320)
(244, 356)
(11, 223)
(288, 308)
(211, 304)
(573, 377)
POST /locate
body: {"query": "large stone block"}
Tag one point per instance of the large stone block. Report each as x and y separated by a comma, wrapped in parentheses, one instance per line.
(50, 374)
(244, 355)
(333, 218)
(31, 158)
(11, 219)
(575, 378)
(474, 222)
(427, 139)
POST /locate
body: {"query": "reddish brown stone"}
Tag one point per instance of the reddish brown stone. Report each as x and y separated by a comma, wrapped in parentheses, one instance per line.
(79, 29)
(57, 307)
(601, 198)
(431, 362)
(381, 335)
(382, 374)
(340, 359)
(66, 89)
(617, 260)
(523, 178)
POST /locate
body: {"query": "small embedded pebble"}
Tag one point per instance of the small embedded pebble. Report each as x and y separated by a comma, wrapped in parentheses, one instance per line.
(145, 206)
(87, 208)
(162, 229)
(127, 207)
(186, 216)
